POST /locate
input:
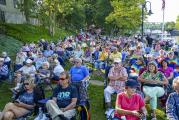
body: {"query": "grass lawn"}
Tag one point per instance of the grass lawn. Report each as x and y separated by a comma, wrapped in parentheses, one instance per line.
(31, 33)
(96, 101)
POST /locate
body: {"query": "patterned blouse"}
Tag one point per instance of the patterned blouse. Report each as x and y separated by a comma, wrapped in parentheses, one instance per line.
(157, 76)
(118, 85)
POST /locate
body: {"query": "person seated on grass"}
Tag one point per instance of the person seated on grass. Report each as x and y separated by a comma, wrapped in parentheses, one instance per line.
(20, 59)
(130, 104)
(172, 104)
(62, 105)
(79, 76)
(57, 70)
(7, 60)
(43, 74)
(115, 54)
(3, 70)
(153, 83)
(23, 105)
(168, 72)
(39, 60)
(100, 63)
(27, 70)
(117, 76)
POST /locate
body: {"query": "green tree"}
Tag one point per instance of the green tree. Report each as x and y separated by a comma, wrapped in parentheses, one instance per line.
(177, 23)
(50, 9)
(102, 9)
(126, 15)
(169, 26)
(26, 7)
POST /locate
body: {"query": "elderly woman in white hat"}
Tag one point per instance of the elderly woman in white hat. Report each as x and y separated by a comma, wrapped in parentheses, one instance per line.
(3, 70)
(117, 76)
(28, 68)
(7, 60)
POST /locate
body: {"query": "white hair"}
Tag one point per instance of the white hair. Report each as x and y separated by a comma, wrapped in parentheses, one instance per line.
(176, 80)
(47, 63)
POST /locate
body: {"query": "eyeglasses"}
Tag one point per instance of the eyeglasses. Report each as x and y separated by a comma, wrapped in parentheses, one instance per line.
(62, 79)
(26, 83)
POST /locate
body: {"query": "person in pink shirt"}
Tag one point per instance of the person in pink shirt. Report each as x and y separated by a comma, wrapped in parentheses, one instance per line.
(129, 104)
(168, 71)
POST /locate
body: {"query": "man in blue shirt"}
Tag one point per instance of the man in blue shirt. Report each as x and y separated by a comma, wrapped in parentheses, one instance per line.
(79, 76)
(172, 105)
(62, 105)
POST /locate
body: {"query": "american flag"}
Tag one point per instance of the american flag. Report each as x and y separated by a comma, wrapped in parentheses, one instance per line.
(163, 4)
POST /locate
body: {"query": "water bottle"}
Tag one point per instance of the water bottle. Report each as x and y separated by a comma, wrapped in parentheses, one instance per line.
(40, 115)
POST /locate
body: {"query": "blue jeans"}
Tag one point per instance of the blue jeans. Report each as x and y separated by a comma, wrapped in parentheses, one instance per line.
(99, 65)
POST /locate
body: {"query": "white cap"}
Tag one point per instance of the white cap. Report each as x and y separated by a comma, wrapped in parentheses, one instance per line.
(4, 53)
(117, 60)
(28, 61)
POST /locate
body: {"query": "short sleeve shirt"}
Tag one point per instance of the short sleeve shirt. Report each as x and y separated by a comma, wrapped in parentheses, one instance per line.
(27, 98)
(167, 71)
(117, 84)
(157, 76)
(78, 73)
(64, 95)
(134, 103)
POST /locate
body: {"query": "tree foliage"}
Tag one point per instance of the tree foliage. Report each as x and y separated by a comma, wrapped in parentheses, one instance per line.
(177, 23)
(169, 26)
(122, 16)
(126, 15)
(26, 6)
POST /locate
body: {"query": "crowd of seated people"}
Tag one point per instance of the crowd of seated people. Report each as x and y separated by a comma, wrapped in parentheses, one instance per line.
(152, 67)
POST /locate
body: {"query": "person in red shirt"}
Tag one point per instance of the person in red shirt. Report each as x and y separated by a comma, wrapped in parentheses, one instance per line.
(129, 104)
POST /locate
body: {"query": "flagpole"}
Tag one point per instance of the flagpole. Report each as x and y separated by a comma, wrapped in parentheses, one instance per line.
(163, 24)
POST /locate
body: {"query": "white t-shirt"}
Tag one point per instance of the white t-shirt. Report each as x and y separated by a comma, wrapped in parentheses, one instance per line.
(28, 70)
(58, 69)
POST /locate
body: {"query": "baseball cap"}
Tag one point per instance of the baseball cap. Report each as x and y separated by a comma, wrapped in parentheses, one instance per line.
(131, 83)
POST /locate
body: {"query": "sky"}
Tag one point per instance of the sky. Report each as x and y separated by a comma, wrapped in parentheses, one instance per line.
(171, 10)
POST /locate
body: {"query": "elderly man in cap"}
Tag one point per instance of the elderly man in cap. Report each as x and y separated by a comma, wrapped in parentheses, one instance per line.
(117, 76)
(3, 70)
(79, 76)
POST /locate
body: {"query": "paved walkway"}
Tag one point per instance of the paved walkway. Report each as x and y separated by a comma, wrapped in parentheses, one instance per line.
(97, 82)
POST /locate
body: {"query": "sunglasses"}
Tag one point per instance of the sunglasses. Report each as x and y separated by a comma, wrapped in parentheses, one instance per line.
(62, 79)
(26, 83)
(116, 63)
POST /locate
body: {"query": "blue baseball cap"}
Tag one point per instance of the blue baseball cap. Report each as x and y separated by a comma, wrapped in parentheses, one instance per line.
(131, 83)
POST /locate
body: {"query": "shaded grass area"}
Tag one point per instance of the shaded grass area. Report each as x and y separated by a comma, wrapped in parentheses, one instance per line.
(31, 33)
(10, 45)
(5, 94)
